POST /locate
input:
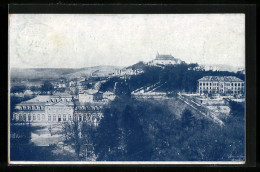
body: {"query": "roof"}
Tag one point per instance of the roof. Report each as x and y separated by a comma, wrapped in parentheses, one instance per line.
(77, 103)
(41, 99)
(60, 104)
(89, 91)
(61, 95)
(164, 57)
(221, 78)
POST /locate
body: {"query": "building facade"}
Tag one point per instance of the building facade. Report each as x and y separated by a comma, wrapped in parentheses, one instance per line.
(164, 60)
(54, 109)
(223, 85)
(90, 112)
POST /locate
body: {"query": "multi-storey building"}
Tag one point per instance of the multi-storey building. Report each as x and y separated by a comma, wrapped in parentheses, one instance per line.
(90, 112)
(56, 108)
(229, 85)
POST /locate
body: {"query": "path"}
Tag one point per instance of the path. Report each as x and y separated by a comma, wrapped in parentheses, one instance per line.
(201, 109)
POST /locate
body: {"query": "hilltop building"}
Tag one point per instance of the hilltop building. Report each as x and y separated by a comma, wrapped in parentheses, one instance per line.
(229, 85)
(164, 60)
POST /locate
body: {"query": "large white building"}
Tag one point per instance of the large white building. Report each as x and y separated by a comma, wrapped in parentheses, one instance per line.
(45, 108)
(56, 108)
(229, 85)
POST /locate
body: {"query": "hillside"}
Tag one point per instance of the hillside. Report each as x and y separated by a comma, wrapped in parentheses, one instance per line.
(172, 78)
(140, 65)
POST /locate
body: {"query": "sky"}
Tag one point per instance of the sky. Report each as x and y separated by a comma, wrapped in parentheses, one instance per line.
(84, 40)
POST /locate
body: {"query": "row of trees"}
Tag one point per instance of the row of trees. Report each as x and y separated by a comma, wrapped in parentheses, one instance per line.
(45, 87)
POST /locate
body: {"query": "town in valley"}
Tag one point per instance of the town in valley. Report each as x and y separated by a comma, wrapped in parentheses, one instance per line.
(56, 111)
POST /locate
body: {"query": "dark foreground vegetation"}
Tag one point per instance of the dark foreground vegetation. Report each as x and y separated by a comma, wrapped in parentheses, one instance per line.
(142, 131)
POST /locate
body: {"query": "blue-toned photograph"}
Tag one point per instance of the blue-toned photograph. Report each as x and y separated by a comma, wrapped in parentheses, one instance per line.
(126, 88)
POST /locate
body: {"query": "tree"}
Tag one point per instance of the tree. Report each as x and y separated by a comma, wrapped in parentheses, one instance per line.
(71, 132)
(122, 89)
(138, 144)
(47, 87)
(35, 88)
(187, 119)
(20, 146)
(106, 140)
(18, 89)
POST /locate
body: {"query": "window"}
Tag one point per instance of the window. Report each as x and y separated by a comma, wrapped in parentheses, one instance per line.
(34, 117)
(24, 117)
(49, 117)
(20, 117)
(84, 117)
(29, 117)
(200, 83)
(43, 116)
(80, 117)
(54, 117)
(38, 117)
(64, 117)
(235, 84)
(69, 117)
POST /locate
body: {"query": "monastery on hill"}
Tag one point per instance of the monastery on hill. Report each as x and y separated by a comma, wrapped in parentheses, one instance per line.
(164, 60)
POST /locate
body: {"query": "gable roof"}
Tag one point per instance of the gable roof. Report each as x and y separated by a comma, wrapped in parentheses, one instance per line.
(59, 104)
(164, 57)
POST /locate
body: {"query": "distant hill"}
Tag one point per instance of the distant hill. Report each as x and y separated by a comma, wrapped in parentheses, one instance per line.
(139, 65)
(40, 73)
(53, 73)
(104, 70)
(221, 67)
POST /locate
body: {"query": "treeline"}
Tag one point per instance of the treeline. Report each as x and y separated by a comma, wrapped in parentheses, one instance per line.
(181, 77)
(45, 87)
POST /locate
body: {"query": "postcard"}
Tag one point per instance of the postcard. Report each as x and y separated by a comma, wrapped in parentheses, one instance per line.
(127, 88)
